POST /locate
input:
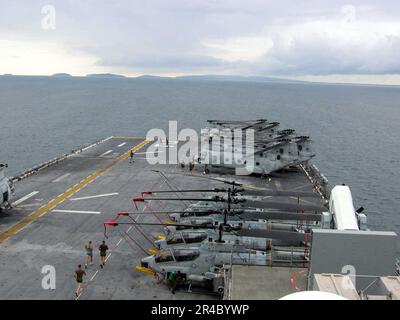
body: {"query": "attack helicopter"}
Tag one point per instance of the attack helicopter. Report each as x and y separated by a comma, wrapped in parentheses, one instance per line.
(202, 265)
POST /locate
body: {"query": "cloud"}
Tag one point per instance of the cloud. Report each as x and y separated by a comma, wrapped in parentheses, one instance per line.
(255, 37)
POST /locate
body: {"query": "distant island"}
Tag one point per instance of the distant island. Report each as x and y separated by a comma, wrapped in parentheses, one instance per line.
(105, 75)
(148, 76)
(238, 78)
(61, 75)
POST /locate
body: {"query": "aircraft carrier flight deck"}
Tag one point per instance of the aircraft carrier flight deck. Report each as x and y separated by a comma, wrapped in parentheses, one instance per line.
(65, 203)
(62, 204)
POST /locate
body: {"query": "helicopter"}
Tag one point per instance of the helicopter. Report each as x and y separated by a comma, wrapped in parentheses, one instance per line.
(202, 265)
(239, 202)
(271, 149)
(7, 190)
(199, 236)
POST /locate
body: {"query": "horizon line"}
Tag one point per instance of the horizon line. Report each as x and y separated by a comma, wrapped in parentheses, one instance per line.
(257, 78)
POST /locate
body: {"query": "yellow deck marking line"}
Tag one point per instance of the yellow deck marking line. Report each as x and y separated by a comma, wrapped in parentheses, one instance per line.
(67, 194)
(129, 138)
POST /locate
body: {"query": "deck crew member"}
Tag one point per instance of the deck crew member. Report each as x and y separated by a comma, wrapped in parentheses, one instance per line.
(191, 166)
(79, 273)
(131, 157)
(103, 253)
(89, 254)
(172, 281)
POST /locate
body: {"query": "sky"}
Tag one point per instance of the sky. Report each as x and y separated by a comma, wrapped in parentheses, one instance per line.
(325, 40)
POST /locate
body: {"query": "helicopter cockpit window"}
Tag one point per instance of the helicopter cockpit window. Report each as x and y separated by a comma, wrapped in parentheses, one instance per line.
(187, 238)
(185, 255)
(174, 240)
(197, 238)
(164, 257)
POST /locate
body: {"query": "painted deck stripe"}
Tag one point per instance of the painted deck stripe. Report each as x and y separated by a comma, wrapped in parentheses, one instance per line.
(67, 194)
(106, 153)
(97, 196)
(76, 211)
(278, 185)
(96, 144)
(129, 138)
(62, 177)
(121, 145)
(24, 198)
(305, 201)
(150, 152)
(29, 205)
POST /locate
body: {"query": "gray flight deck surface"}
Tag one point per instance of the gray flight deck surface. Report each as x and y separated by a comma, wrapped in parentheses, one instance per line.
(65, 205)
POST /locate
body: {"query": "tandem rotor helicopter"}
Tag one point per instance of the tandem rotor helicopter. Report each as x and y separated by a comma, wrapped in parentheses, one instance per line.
(271, 149)
(6, 189)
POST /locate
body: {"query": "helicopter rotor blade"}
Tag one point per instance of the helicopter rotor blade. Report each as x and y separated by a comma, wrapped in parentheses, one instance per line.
(242, 191)
(194, 226)
(285, 206)
(232, 183)
(277, 193)
(280, 216)
(151, 192)
(274, 234)
(127, 213)
(215, 199)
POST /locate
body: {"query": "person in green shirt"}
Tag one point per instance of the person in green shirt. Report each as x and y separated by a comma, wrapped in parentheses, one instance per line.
(89, 254)
(172, 281)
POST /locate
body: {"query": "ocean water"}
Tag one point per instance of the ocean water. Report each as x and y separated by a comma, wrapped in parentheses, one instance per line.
(356, 129)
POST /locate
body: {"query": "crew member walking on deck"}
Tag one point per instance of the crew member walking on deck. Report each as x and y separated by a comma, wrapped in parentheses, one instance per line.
(103, 253)
(89, 254)
(191, 166)
(79, 273)
(131, 157)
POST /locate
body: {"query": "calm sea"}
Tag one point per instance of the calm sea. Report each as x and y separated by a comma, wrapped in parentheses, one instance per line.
(356, 129)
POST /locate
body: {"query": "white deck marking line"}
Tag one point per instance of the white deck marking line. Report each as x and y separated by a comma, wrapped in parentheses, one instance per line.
(96, 196)
(149, 152)
(24, 198)
(302, 200)
(29, 205)
(303, 186)
(278, 185)
(62, 177)
(77, 211)
(121, 145)
(96, 144)
(95, 274)
(106, 153)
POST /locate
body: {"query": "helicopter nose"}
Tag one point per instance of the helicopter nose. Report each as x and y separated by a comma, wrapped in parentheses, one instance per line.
(144, 264)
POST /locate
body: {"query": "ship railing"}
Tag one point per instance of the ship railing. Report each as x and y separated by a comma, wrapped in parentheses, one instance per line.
(319, 181)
